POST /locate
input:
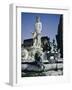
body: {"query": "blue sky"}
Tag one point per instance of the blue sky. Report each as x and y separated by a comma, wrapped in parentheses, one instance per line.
(49, 24)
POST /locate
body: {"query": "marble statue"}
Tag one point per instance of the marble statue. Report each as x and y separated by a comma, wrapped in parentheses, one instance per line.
(37, 33)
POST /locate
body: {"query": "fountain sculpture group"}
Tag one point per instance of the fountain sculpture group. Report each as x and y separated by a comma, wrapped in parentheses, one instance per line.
(37, 48)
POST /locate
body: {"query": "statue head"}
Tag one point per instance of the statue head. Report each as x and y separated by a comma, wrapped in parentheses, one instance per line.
(37, 18)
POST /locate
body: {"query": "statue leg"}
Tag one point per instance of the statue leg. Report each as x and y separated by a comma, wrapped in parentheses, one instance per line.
(39, 40)
(34, 44)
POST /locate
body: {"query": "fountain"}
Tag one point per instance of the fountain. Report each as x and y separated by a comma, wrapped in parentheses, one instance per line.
(38, 59)
(37, 46)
